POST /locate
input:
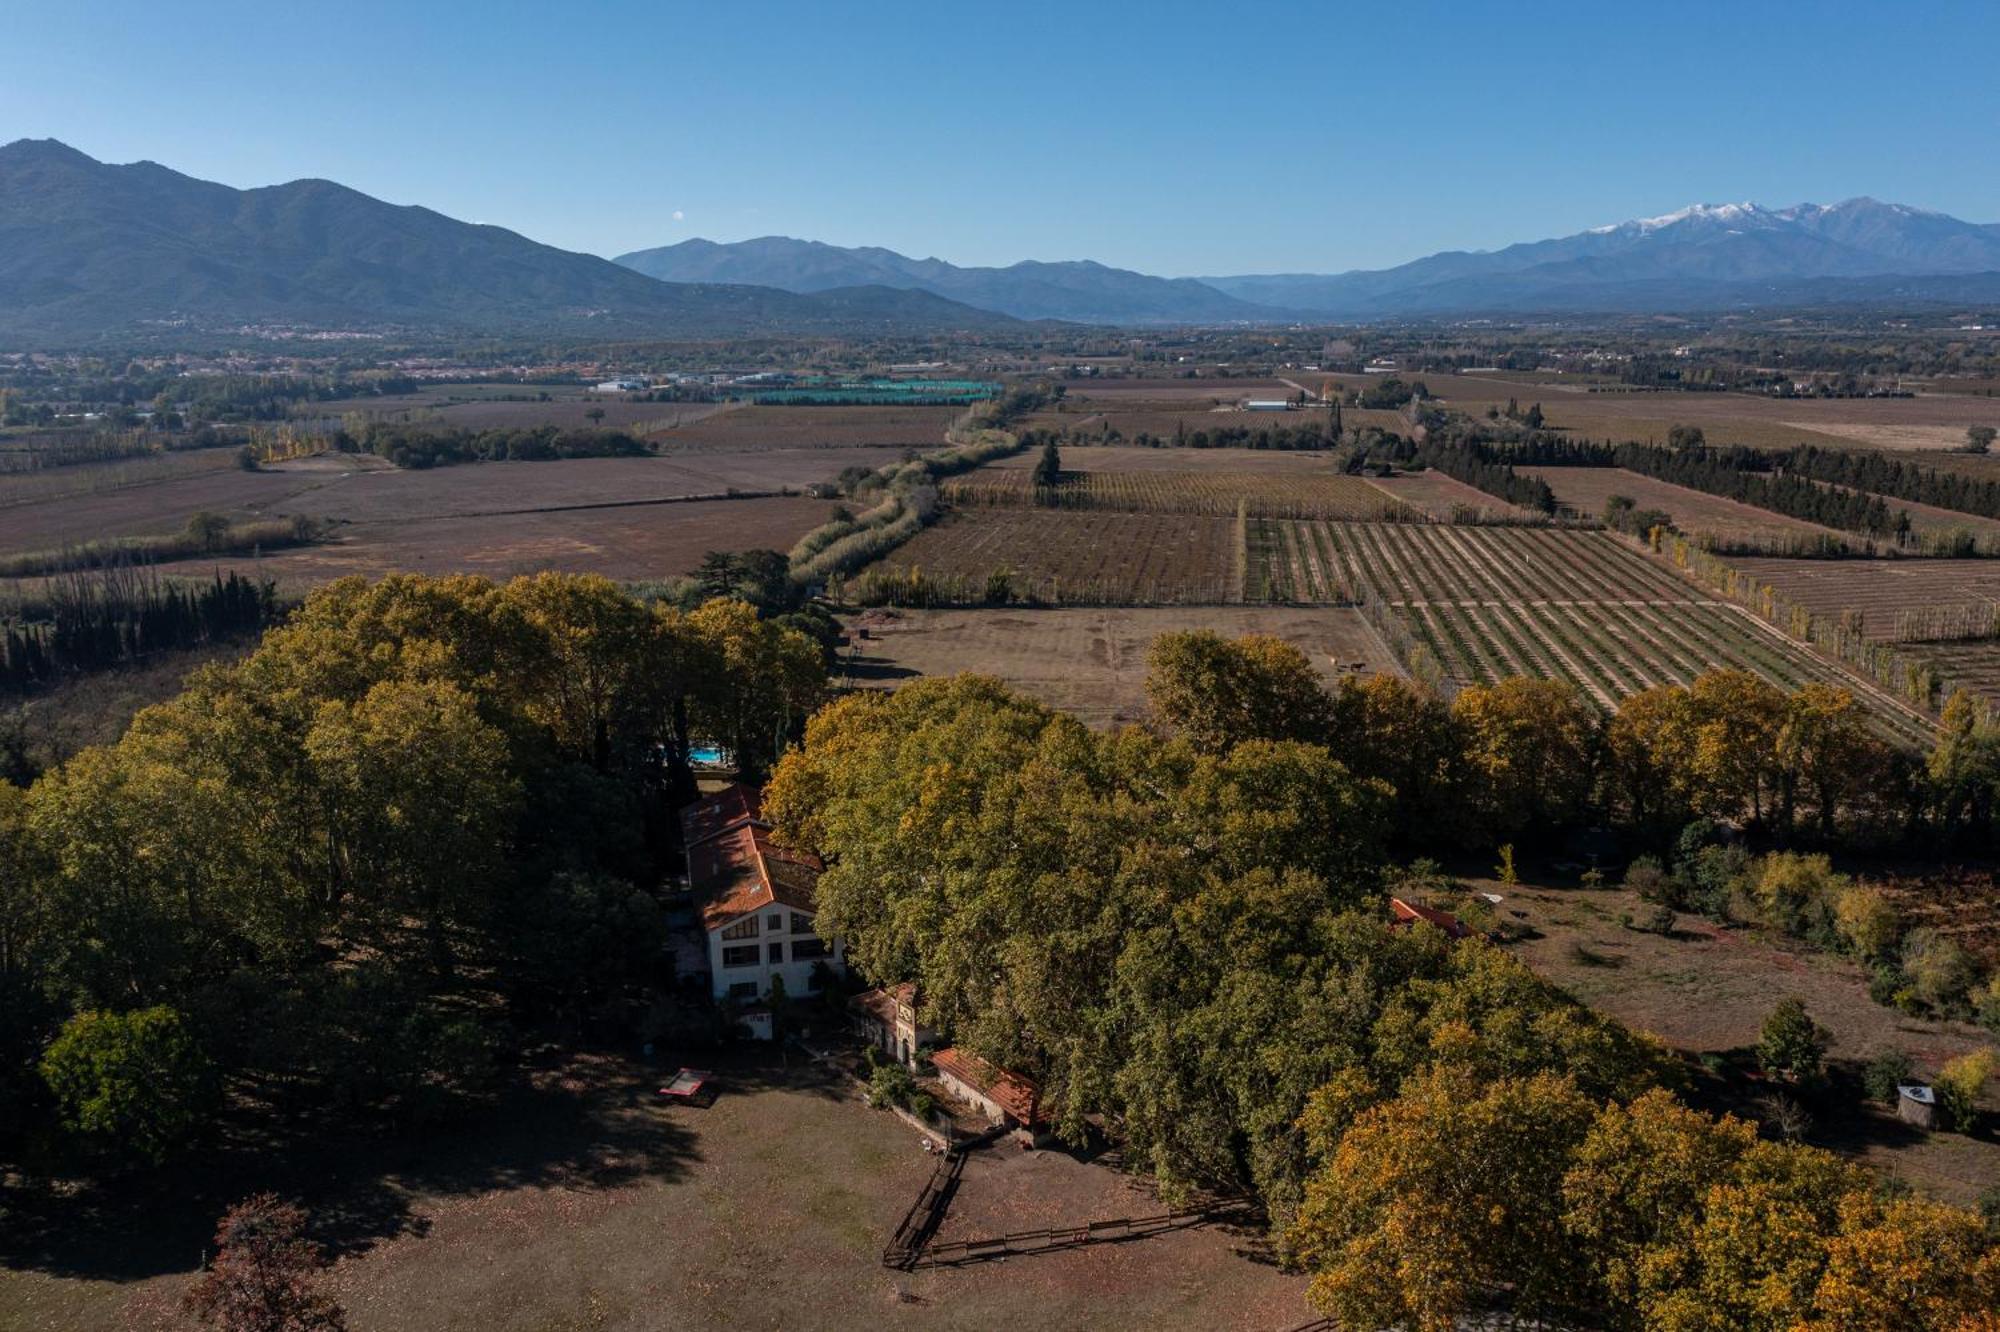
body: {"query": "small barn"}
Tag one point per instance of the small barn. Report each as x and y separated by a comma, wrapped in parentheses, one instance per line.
(1004, 1098)
(1916, 1104)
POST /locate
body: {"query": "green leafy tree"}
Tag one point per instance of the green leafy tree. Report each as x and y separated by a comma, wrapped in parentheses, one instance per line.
(1791, 1045)
(135, 1083)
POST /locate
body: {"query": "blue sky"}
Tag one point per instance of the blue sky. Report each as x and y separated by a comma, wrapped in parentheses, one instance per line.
(1175, 138)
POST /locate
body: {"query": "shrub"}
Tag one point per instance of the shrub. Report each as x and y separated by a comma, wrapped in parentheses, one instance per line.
(1959, 1085)
(1884, 1073)
(891, 1084)
(1940, 972)
(1715, 875)
(1660, 920)
(1791, 889)
(131, 1082)
(1867, 923)
(1989, 1006)
(1885, 982)
(1792, 1045)
(1648, 878)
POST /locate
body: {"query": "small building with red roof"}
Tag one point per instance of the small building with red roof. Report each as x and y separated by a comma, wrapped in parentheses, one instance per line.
(1005, 1098)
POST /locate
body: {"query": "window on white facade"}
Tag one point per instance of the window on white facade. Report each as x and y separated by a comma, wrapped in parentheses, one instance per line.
(802, 949)
(801, 923)
(777, 922)
(743, 990)
(777, 953)
(743, 955)
(745, 928)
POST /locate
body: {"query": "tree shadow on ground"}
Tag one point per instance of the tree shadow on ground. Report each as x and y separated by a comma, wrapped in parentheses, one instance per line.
(581, 1122)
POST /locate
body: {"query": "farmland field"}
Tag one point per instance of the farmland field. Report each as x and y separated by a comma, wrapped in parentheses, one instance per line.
(1586, 489)
(1090, 662)
(1929, 421)
(752, 427)
(1320, 493)
(1081, 556)
(634, 542)
(1095, 458)
(1490, 602)
(1443, 497)
(1973, 663)
(1878, 589)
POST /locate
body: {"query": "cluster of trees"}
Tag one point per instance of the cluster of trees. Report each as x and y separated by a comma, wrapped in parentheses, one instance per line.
(1389, 393)
(423, 813)
(1738, 474)
(1886, 474)
(1181, 938)
(91, 620)
(421, 446)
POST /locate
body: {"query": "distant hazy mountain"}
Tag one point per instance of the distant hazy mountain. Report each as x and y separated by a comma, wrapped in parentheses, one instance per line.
(1080, 290)
(90, 250)
(1702, 257)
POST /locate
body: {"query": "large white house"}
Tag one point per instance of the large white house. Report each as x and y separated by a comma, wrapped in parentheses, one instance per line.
(755, 898)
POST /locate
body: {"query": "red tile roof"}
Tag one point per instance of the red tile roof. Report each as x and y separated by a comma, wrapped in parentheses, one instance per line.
(1014, 1094)
(877, 1004)
(1409, 913)
(715, 814)
(734, 867)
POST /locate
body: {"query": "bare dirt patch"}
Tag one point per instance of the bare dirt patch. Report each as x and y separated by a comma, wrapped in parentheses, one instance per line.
(1441, 496)
(583, 1202)
(1090, 662)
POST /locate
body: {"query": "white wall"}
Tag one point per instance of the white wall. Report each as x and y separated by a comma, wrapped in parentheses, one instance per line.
(797, 974)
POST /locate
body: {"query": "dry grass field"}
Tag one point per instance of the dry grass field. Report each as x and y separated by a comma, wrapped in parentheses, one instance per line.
(1708, 989)
(574, 413)
(753, 427)
(1090, 662)
(1062, 556)
(1586, 490)
(1878, 589)
(580, 1202)
(1102, 392)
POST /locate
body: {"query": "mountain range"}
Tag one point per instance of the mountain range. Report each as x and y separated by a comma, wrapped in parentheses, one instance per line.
(1079, 290)
(1704, 257)
(90, 250)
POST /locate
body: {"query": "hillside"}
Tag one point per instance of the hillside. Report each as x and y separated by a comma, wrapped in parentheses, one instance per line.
(90, 250)
(1080, 290)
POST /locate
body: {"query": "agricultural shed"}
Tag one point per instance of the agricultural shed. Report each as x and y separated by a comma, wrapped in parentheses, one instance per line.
(1004, 1098)
(1916, 1104)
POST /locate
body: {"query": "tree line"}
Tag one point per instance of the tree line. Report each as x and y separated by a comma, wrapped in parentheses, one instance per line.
(420, 446)
(1180, 937)
(91, 620)
(423, 819)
